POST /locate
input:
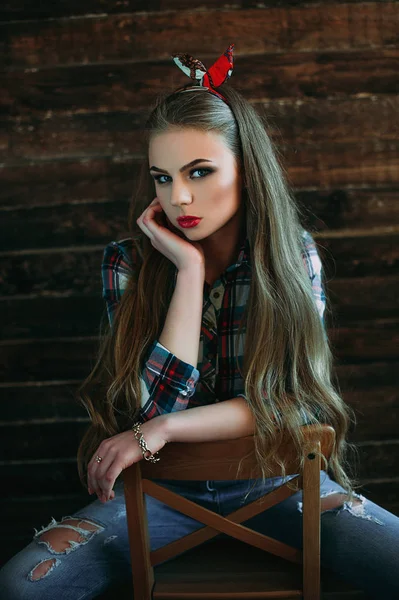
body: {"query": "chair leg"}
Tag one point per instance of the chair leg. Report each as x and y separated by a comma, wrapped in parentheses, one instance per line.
(311, 523)
(142, 570)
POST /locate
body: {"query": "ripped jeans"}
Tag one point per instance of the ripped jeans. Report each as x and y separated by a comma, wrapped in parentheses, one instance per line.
(359, 540)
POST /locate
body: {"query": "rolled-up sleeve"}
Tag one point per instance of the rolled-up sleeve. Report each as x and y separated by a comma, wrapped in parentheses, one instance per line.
(116, 268)
(167, 382)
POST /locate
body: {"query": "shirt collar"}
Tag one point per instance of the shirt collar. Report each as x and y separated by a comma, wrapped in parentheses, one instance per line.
(244, 255)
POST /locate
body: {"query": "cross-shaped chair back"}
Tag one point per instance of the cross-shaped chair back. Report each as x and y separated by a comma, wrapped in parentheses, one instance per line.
(219, 460)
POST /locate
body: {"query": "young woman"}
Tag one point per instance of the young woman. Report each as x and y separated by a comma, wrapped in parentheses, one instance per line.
(216, 332)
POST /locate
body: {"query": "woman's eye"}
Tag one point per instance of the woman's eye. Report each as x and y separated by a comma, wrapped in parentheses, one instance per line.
(205, 170)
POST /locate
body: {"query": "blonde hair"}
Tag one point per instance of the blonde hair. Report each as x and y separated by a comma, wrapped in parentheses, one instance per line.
(287, 354)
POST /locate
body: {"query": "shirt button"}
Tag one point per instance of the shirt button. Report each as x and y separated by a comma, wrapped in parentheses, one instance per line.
(216, 294)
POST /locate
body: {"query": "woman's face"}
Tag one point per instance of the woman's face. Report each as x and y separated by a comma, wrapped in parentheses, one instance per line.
(210, 188)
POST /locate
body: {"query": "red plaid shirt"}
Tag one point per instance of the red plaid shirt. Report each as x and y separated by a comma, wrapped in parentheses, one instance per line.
(170, 384)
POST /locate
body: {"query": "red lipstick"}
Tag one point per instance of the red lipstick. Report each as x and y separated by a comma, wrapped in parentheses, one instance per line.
(188, 221)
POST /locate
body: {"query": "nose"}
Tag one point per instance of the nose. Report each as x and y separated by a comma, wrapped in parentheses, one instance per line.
(180, 194)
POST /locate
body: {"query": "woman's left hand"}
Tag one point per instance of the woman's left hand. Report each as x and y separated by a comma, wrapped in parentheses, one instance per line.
(119, 452)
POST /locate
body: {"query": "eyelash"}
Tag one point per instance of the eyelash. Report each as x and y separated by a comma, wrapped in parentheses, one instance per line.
(208, 172)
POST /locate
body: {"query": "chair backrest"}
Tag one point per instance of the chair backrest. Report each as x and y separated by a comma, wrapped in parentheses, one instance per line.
(219, 460)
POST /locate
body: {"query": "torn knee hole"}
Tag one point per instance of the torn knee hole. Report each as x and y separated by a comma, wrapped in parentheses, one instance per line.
(43, 569)
(82, 524)
(338, 502)
(335, 500)
(61, 539)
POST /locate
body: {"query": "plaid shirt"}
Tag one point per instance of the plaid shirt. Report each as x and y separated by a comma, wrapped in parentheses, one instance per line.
(168, 383)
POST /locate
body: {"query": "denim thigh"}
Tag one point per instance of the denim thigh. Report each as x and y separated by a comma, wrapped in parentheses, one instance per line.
(89, 567)
(359, 540)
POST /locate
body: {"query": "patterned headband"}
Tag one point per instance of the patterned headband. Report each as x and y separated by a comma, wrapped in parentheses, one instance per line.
(207, 79)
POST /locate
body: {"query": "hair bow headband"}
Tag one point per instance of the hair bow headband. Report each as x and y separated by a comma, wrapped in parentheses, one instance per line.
(217, 74)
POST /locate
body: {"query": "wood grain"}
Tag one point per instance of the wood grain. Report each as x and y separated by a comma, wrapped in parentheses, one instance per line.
(135, 37)
(77, 82)
(120, 87)
(18, 10)
(312, 123)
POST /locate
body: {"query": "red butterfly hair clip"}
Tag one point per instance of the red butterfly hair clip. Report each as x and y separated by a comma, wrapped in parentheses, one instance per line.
(210, 78)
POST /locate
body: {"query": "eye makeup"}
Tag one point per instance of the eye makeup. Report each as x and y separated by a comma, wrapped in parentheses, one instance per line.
(206, 169)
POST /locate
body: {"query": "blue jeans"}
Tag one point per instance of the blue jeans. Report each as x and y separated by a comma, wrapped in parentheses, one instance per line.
(360, 542)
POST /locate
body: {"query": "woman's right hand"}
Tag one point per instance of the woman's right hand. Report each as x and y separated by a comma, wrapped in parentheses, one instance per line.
(174, 246)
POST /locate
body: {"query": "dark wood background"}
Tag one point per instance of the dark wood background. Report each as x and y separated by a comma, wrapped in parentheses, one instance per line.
(77, 80)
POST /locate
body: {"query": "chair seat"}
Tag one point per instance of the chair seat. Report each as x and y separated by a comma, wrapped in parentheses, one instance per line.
(222, 566)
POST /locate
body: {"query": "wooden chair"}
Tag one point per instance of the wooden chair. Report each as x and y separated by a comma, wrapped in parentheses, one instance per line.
(219, 460)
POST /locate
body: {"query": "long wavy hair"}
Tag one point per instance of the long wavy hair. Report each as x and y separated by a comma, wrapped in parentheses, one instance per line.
(287, 353)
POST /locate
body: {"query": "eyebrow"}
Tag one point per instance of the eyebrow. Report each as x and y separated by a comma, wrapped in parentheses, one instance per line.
(190, 164)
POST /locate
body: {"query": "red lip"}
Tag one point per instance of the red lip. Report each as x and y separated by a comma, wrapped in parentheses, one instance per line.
(187, 219)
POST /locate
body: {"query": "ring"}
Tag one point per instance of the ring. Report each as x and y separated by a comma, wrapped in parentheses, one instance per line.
(98, 459)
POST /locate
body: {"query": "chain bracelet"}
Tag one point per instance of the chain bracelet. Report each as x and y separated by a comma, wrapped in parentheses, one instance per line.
(143, 444)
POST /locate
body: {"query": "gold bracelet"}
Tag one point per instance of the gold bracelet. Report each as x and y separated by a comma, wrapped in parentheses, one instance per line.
(143, 444)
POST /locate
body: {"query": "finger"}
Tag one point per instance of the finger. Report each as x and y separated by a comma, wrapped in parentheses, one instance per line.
(92, 474)
(106, 491)
(152, 213)
(144, 228)
(108, 479)
(146, 221)
(90, 482)
(151, 209)
(94, 487)
(97, 486)
(101, 488)
(153, 222)
(104, 475)
(155, 202)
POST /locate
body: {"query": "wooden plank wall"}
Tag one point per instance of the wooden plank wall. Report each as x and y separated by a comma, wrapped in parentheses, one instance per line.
(77, 80)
